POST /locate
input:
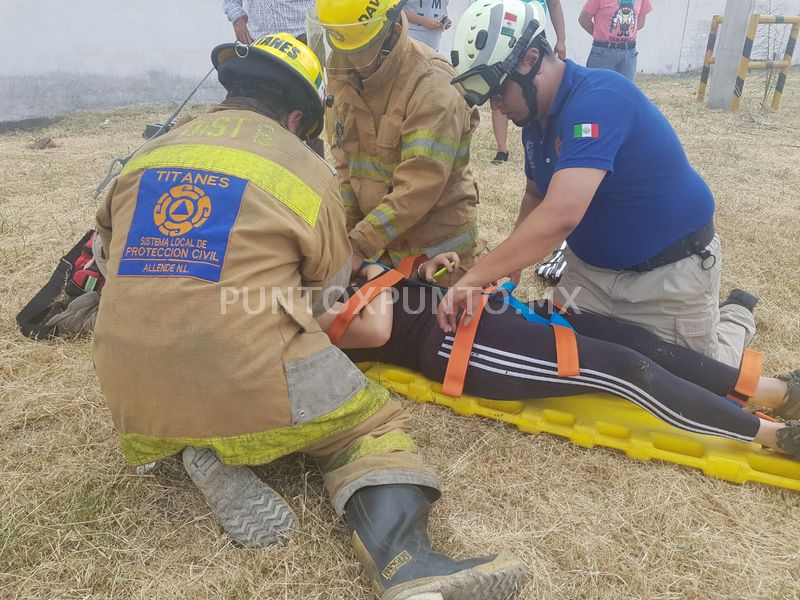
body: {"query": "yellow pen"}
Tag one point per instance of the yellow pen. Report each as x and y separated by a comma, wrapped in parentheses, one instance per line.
(443, 270)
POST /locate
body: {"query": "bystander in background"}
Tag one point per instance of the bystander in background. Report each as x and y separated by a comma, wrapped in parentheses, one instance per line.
(427, 19)
(614, 24)
(252, 19)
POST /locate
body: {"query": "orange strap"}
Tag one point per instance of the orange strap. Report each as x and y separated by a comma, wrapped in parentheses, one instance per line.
(749, 373)
(566, 351)
(363, 296)
(409, 263)
(743, 404)
(749, 376)
(367, 293)
(458, 362)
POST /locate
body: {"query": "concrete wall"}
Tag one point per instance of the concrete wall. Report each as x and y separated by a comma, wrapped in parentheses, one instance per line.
(62, 56)
(101, 53)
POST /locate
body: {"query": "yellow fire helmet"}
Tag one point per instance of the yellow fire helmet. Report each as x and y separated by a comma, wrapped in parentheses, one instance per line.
(357, 28)
(283, 63)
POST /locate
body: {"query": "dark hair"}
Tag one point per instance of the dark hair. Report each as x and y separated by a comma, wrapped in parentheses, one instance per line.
(273, 103)
(544, 47)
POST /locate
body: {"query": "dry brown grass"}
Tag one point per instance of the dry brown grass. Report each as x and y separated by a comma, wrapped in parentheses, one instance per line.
(75, 522)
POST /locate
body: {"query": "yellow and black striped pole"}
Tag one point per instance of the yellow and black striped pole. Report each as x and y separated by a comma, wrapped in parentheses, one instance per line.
(744, 61)
(709, 58)
(787, 59)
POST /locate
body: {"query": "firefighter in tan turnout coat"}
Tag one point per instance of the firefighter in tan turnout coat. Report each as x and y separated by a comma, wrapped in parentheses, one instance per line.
(206, 343)
(400, 136)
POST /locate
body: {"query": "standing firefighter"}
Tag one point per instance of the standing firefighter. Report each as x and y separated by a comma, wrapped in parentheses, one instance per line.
(400, 136)
(205, 342)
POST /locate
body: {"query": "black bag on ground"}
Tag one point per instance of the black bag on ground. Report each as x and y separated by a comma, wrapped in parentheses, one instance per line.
(46, 302)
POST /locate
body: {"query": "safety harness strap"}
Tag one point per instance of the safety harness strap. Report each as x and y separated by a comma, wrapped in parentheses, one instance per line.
(409, 263)
(747, 383)
(749, 373)
(363, 296)
(368, 292)
(458, 362)
(527, 313)
(566, 351)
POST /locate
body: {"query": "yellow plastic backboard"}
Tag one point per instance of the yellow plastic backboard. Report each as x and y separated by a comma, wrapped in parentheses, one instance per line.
(605, 420)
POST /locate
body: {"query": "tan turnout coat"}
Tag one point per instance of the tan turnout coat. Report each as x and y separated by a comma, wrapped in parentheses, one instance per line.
(204, 330)
(401, 141)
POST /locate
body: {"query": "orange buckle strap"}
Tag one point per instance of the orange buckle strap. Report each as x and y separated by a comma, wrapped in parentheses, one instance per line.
(458, 362)
(363, 296)
(569, 364)
(749, 373)
(749, 376)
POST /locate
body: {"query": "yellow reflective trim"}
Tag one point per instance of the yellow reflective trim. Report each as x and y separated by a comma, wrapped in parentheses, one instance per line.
(263, 446)
(271, 177)
(462, 241)
(394, 441)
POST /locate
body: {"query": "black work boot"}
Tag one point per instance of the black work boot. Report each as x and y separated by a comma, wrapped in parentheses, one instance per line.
(741, 298)
(389, 529)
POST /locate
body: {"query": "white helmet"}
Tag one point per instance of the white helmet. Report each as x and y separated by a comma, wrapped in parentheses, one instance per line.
(491, 37)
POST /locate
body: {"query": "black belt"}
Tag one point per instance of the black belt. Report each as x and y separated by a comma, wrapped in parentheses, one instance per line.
(694, 243)
(615, 45)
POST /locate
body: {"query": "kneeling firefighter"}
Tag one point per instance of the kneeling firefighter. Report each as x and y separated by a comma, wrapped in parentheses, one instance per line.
(220, 238)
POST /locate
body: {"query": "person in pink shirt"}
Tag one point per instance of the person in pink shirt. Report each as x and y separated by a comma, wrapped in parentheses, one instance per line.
(614, 24)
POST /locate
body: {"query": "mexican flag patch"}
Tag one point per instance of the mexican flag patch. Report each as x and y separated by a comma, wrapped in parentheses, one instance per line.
(509, 20)
(586, 130)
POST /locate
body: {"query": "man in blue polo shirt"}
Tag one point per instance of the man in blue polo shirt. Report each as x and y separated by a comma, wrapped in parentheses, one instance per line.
(606, 171)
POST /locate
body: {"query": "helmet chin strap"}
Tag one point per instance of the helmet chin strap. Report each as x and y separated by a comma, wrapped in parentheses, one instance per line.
(528, 90)
(385, 50)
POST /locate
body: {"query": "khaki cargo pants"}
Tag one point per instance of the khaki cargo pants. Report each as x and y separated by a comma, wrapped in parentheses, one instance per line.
(677, 302)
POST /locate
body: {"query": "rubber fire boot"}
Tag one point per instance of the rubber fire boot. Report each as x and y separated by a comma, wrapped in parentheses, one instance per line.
(388, 525)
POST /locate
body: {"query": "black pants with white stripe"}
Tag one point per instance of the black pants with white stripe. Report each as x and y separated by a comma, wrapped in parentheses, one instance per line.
(513, 359)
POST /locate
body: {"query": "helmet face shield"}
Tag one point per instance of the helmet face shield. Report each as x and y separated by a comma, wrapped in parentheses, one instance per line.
(353, 41)
(481, 83)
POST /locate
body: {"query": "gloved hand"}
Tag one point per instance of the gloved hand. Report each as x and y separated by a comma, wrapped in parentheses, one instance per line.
(79, 317)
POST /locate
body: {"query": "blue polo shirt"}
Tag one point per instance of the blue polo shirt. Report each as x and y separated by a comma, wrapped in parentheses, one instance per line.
(650, 198)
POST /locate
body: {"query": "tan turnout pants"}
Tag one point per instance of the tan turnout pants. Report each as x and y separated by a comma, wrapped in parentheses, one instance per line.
(377, 451)
(677, 302)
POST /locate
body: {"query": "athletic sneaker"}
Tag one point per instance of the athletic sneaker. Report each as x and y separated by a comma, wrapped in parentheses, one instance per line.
(499, 158)
(789, 439)
(791, 408)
